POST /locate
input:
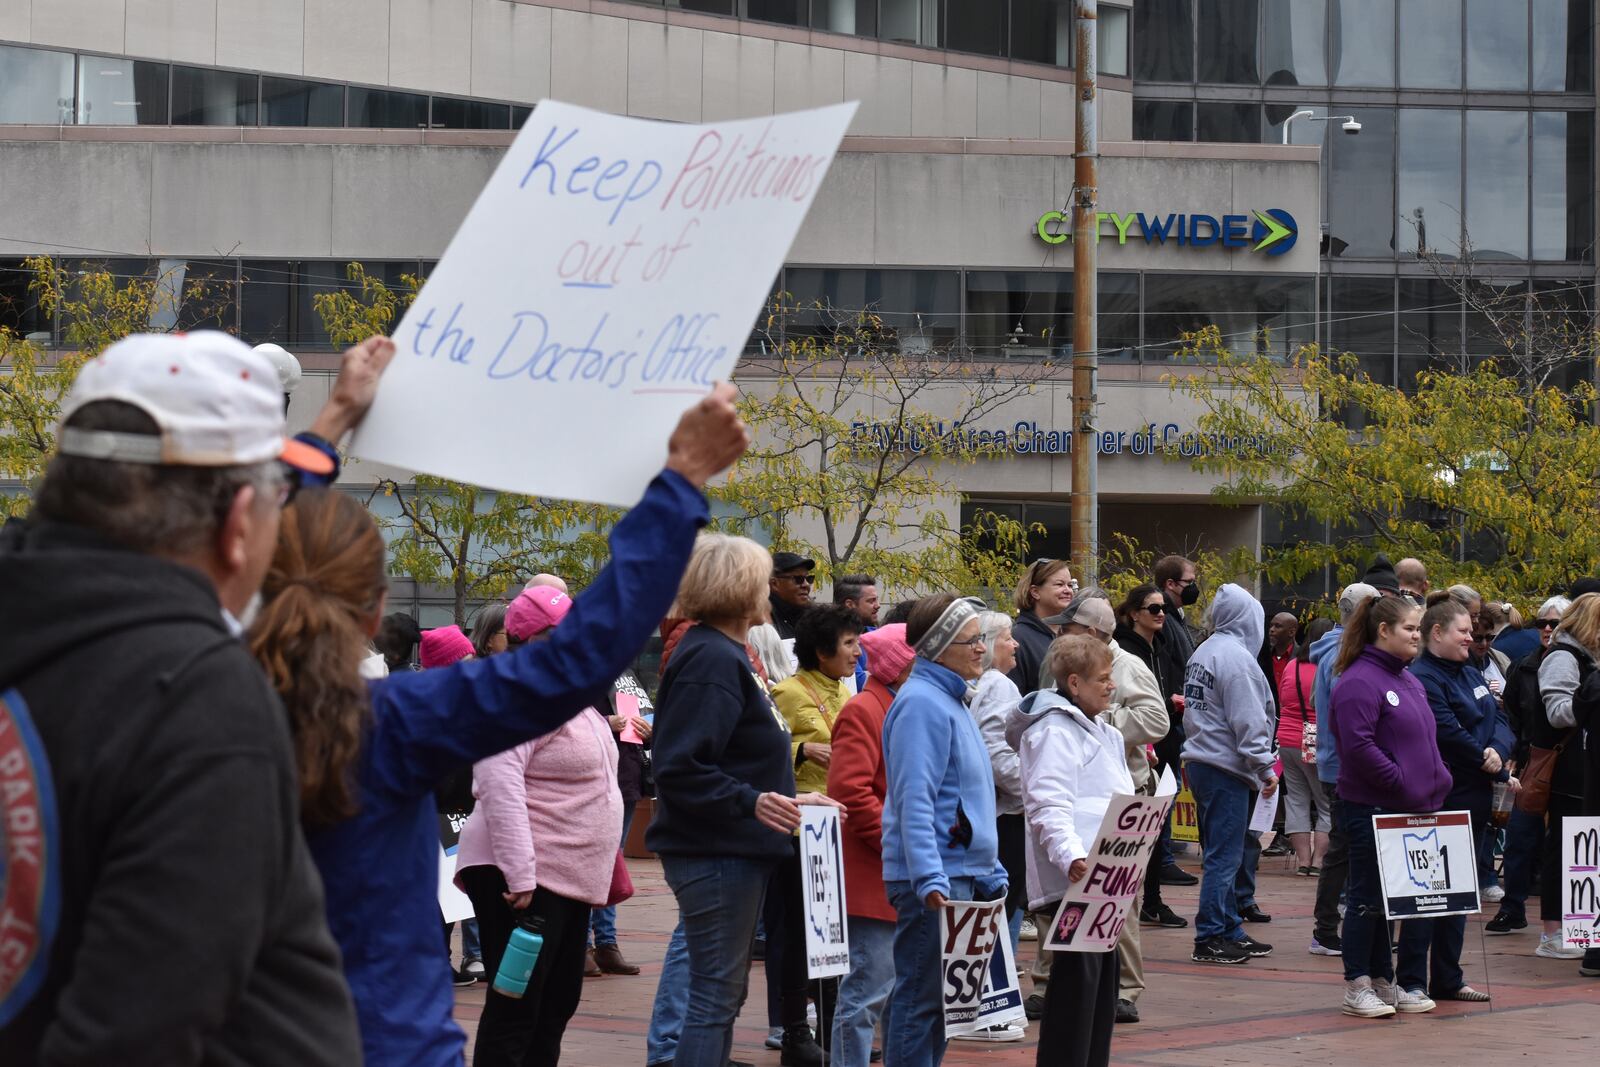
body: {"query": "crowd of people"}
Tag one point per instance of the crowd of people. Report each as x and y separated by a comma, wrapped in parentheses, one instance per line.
(240, 776)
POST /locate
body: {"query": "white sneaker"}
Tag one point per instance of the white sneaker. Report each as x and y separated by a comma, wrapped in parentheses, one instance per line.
(774, 1039)
(1404, 1000)
(1003, 1032)
(1494, 894)
(1361, 1001)
(1029, 932)
(1552, 947)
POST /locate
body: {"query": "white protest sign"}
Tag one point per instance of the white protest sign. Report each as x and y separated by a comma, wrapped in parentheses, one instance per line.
(972, 929)
(1580, 883)
(1428, 864)
(822, 884)
(1001, 1001)
(609, 273)
(453, 903)
(1091, 915)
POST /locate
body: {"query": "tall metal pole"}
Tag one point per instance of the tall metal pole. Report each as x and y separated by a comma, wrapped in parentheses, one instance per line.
(1085, 328)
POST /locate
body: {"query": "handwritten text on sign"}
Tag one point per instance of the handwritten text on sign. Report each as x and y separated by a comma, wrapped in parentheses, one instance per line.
(822, 883)
(1095, 909)
(970, 931)
(1580, 882)
(608, 274)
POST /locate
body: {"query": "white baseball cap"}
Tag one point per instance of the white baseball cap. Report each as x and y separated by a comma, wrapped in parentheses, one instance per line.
(217, 403)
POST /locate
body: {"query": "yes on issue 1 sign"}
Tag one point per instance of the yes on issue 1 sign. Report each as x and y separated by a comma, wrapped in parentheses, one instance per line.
(1428, 864)
(971, 932)
(822, 882)
(609, 273)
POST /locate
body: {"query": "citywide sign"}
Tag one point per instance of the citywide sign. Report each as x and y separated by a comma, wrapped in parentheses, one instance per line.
(1272, 232)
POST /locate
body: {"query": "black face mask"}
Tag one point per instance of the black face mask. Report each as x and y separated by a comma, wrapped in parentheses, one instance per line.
(1191, 594)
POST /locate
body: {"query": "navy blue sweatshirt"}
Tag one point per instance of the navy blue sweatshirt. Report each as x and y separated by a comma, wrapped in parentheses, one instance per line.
(1469, 721)
(719, 743)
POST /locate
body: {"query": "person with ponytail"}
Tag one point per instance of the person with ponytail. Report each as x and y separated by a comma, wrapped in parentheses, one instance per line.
(1388, 762)
(370, 754)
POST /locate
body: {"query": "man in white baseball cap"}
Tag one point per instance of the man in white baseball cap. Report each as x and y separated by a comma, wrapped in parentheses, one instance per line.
(162, 907)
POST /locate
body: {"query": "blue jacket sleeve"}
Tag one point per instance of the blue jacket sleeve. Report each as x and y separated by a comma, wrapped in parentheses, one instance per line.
(309, 479)
(428, 723)
(916, 756)
(687, 758)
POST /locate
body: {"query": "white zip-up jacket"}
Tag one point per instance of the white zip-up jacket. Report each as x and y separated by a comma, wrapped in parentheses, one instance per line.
(1072, 766)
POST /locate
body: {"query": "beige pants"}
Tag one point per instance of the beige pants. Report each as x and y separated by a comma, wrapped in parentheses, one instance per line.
(1130, 958)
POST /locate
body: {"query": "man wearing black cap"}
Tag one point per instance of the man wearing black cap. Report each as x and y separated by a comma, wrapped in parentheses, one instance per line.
(1381, 576)
(791, 584)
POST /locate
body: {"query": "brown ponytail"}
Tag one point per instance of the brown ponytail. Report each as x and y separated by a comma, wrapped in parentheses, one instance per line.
(1362, 629)
(327, 574)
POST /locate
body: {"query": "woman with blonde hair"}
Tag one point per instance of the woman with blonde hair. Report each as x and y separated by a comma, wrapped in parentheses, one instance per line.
(726, 808)
(1043, 590)
(370, 753)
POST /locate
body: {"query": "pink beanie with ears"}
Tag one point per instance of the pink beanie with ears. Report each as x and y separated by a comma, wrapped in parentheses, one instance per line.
(444, 646)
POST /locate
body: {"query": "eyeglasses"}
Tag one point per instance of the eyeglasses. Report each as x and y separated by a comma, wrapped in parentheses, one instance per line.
(1153, 610)
(797, 579)
(1187, 582)
(1548, 624)
(969, 641)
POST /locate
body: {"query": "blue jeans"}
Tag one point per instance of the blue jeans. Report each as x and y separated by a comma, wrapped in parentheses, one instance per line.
(1366, 929)
(603, 921)
(719, 898)
(1524, 833)
(915, 1037)
(1222, 803)
(1244, 884)
(1430, 954)
(864, 992)
(672, 1001)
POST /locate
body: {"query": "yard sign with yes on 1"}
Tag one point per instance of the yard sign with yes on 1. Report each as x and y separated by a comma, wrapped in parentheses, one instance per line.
(1580, 882)
(1428, 864)
(609, 273)
(822, 882)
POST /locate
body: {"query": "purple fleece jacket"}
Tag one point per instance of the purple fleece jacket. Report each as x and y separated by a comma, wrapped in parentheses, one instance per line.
(1387, 737)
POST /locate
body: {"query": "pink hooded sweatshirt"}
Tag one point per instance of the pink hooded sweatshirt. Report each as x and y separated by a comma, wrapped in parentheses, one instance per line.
(549, 813)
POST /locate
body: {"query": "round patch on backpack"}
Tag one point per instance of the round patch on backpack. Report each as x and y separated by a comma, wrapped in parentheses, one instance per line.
(30, 894)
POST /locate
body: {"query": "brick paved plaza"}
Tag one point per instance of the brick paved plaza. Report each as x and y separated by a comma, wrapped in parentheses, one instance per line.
(1283, 1009)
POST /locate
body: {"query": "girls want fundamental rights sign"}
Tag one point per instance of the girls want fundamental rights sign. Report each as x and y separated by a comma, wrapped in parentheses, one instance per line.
(608, 274)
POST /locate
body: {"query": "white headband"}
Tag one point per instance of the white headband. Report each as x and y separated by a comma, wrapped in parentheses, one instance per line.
(942, 634)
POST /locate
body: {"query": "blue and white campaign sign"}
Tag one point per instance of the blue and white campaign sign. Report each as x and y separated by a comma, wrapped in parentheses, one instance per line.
(1428, 864)
(822, 883)
(609, 273)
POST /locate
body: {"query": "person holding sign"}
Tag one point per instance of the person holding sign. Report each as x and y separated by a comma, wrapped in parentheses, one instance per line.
(1474, 740)
(370, 753)
(1072, 765)
(1388, 762)
(726, 809)
(939, 840)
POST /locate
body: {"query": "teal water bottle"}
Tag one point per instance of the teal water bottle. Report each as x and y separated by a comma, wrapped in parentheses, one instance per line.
(522, 952)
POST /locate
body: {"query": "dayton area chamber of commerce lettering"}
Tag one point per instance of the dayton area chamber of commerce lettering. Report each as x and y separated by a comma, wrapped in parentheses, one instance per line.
(1027, 438)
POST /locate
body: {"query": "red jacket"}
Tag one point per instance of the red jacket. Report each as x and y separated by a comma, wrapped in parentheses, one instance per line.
(856, 779)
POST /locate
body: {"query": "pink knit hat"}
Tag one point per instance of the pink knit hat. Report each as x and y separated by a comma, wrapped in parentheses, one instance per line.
(888, 655)
(444, 646)
(535, 610)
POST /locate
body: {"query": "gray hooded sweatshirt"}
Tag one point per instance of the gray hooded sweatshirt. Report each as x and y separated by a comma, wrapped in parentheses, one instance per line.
(1227, 714)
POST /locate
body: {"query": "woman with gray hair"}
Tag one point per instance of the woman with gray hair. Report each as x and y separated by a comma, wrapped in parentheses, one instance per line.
(993, 698)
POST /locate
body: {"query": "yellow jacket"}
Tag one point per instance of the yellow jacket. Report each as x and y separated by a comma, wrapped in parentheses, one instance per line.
(809, 702)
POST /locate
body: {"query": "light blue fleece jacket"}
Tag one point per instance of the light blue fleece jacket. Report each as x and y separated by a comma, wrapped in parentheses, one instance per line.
(1324, 651)
(935, 760)
(1227, 709)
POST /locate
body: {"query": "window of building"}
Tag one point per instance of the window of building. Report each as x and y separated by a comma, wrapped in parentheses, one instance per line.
(35, 86)
(1429, 328)
(292, 102)
(1562, 320)
(709, 7)
(121, 92)
(206, 292)
(859, 17)
(1112, 41)
(920, 311)
(1264, 314)
(451, 113)
(788, 12)
(1233, 123)
(1361, 42)
(1163, 41)
(975, 26)
(1563, 46)
(1431, 32)
(1362, 313)
(1019, 314)
(1497, 44)
(519, 115)
(1563, 185)
(384, 109)
(1360, 185)
(19, 305)
(1495, 319)
(1428, 197)
(909, 21)
(1293, 40)
(1497, 183)
(1163, 120)
(205, 97)
(1118, 324)
(1227, 42)
(1041, 32)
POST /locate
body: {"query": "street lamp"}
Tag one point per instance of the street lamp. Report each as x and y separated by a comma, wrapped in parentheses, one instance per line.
(286, 365)
(1347, 123)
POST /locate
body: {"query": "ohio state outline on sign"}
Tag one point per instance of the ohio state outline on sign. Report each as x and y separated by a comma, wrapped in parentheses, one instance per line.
(29, 862)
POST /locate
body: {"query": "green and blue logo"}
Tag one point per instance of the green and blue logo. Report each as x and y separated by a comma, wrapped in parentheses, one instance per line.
(1273, 231)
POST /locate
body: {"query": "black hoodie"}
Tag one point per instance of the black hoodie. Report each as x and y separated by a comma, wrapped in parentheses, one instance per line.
(190, 924)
